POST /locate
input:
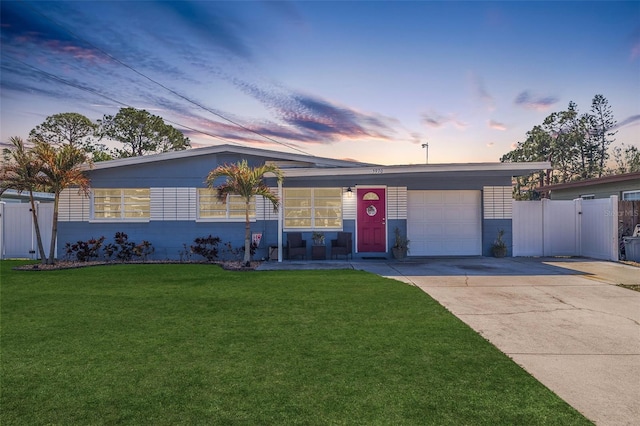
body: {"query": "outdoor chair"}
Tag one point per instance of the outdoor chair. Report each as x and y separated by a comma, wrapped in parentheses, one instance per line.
(342, 245)
(296, 246)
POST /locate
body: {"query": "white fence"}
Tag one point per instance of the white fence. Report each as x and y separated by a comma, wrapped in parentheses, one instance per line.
(17, 232)
(566, 228)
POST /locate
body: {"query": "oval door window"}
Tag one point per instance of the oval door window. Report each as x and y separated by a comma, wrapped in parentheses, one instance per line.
(371, 210)
(370, 196)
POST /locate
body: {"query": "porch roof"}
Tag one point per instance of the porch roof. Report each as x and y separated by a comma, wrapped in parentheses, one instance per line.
(500, 169)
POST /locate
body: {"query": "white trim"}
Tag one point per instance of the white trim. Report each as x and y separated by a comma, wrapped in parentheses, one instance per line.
(635, 191)
(119, 220)
(122, 218)
(312, 209)
(516, 168)
(280, 221)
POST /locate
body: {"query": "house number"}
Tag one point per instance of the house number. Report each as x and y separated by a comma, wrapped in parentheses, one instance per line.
(377, 171)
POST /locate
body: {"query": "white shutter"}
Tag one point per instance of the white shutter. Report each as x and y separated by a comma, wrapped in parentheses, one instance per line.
(497, 202)
(397, 202)
(173, 204)
(73, 206)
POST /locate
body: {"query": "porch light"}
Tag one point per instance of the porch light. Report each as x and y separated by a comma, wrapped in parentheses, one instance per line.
(349, 192)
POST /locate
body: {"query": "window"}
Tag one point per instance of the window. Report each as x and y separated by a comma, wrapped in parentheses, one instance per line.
(370, 196)
(631, 195)
(588, 197)
(121, 203)
(209, 207)
(313, 208)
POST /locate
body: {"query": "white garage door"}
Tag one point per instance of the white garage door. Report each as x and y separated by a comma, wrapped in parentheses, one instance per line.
(444, 223)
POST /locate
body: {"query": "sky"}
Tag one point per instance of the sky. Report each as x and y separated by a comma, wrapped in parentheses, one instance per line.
(370, 81)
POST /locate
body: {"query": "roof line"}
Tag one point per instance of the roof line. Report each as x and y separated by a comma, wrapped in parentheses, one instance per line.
(594, 181)
(520, 168)
(194, 152)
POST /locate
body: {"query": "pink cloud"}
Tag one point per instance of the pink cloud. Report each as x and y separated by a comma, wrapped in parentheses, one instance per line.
(536, 102)
(496, 125)
(434, 120)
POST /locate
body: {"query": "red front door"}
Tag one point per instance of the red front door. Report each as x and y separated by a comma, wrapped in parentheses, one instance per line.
(372, 219)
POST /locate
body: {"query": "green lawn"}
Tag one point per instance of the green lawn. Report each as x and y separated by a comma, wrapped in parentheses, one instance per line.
(194, 344)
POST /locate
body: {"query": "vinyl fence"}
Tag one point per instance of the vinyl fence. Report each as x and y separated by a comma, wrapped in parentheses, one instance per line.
(566, 228)
(17, 232)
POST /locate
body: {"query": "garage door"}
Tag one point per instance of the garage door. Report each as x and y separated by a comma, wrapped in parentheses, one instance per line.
(444, 223)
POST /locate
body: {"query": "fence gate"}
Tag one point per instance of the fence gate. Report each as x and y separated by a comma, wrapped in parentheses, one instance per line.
(17, 233)
(566, 228)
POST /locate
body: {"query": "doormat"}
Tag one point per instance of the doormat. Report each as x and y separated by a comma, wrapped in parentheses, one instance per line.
(374, 258)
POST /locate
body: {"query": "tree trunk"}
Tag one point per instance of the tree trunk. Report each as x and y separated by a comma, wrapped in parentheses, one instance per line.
(247, 236)
(34, 214)
(54, 229)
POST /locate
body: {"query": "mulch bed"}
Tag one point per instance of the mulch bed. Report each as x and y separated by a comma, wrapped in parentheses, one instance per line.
(226, 265)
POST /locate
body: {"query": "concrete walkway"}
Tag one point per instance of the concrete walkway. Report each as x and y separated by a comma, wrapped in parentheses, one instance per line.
(563, 320)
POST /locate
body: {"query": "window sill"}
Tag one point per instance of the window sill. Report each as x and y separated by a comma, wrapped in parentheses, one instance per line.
(127, 220)
(312, 229)
(224, 220)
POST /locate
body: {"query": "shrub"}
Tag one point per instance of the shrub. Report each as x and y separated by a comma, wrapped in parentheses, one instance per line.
(238, 253)
(121, 248)
(206, 247)
(84, 251)
(144, 249)
(125, 247)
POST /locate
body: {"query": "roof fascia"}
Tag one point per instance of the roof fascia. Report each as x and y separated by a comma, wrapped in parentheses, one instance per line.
(593, 182)
(516, 169)
(322, 162)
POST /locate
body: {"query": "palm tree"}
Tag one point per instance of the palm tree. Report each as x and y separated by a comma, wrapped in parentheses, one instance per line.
(61, 168)
(246, 182)
(21, 171)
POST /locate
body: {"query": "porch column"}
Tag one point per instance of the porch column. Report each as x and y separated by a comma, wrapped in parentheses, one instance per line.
(280, 224)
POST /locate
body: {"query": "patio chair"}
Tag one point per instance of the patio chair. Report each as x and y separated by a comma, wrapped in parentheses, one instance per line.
(342, 245)
(296, 246)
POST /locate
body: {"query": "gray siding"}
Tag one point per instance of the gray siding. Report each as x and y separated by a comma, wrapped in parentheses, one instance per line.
(603, 190)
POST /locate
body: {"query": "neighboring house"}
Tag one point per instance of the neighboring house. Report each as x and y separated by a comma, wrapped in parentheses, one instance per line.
(13, 196)
(625, 186)
(444, 209)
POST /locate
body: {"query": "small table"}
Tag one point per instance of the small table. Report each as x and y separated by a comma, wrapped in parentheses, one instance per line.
(318, 252)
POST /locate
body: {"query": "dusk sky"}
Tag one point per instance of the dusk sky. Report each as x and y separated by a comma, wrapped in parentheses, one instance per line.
(369, 81)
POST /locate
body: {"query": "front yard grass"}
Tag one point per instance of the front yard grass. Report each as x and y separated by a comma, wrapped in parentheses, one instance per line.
(194, 344)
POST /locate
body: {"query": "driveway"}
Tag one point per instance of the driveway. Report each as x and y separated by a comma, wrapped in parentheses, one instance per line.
(563, 320)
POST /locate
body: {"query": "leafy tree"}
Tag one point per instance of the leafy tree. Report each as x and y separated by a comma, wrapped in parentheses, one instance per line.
(602, 123)
(141, 133)
(537, 147)
(65, 128)
(61, 167)
(247, 182)
(70, 128)
(21, 171)
(575, 145)
(627, 159)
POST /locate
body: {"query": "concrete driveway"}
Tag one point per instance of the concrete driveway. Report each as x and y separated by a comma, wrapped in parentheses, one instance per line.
(563, 320)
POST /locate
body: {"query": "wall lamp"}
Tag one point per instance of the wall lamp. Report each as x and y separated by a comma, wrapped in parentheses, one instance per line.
(349, 192)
